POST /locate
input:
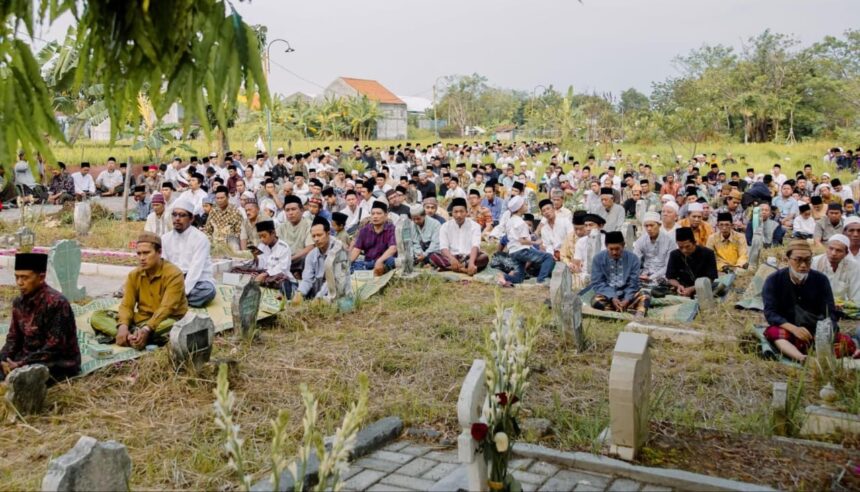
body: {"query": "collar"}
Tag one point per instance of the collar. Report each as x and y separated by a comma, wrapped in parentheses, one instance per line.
(158, 270)
(36, 292)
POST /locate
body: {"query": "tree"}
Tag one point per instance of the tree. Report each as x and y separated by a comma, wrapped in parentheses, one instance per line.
(460, 101)
(185, 51)
(633, 101)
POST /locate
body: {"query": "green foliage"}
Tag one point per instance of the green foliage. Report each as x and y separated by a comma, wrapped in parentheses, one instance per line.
(188, 51)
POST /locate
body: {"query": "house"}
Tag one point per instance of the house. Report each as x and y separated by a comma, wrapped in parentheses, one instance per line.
(299, 96)
(505, 132)
(392, 124)
(101, 132)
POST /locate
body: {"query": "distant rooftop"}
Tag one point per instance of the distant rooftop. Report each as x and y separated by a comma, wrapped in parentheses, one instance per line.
(373, 90)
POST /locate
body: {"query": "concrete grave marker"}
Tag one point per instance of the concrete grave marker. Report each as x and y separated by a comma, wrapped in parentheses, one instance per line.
(245, 306)
(757, 242)
(26, 388)
(64, 266)
(566, 305)
(470, 404)
(629, 236)
(405, 259)
(83, 217)
(779, 406)
(595, 244)
(191, 339)
(629, 392)
(641, 208)
(337, 277)
(89, 466)
(705, 293)
(824, 344)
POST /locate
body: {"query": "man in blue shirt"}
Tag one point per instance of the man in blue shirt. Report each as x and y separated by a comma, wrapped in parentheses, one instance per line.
(615, 279)
(493, 202)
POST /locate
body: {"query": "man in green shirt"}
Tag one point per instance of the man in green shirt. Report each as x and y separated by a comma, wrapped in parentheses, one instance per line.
(296, 232)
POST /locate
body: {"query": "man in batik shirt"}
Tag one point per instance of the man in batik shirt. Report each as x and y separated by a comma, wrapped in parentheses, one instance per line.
(43, 327)
(225, 220)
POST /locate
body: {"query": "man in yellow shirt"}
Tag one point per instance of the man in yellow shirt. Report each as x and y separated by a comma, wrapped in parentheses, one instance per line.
(154, 299)
(701, 229)
(730, 247)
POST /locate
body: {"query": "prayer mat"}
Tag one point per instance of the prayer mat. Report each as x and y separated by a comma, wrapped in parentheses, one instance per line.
(669, 308)
(366, 284)
(486, 276)
(768, 351)
(752, 296)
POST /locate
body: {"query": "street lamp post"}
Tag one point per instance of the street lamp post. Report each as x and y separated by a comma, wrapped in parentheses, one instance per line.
(268, 76)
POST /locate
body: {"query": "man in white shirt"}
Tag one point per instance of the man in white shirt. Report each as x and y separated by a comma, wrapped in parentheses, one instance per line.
(553, 229)
(354, 213)
(520, 247)
(842, 271)
(194, 193)
(84, 184)
(159, 221)
(611, 212)
(460, 243)
(272, 259)
(172, 174)
(188, 248)
(851, 229)
(803, 226)
(653, 249)
(110, 181)
(586, 248)
(300, 188)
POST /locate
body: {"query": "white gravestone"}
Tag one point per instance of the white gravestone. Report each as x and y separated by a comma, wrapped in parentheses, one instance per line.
(89, 466)
(469, 409)
(705, 293)
(405, 258)
(629, 392)
(83, 217)
(566, 305)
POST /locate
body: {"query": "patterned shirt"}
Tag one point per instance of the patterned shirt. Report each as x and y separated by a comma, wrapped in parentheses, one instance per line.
(482, 215)
(43, 332)
(62, 183)
(222, 224)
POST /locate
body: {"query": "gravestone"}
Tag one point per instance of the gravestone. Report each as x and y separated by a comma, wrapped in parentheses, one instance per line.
(26, 388)
(566, 305)
(89, 466)
(405, 258)
(470, 404)
(190, 340)
(337, 278)
(824, 344)
(779, 406)
(64, 266)
(629, 392)
(595, 244)
(83, 217)
(757, 242)
(641, 209)
(705, 293)
(245, 307)
(629, 236)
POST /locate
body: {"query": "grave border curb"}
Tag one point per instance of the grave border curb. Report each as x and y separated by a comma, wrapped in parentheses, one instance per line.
(658, 476)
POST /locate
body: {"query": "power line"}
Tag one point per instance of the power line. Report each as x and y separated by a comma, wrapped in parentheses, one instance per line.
(294, 74)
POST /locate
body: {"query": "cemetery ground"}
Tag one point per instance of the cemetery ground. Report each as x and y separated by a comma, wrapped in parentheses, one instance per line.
(416, 341)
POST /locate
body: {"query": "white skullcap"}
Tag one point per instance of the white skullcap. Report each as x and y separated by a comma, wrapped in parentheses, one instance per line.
(842, 238)
(651, 217)
(825, 174)
(515, 203)
(416, 210)
(184, 204)
(672, 205)
(850, 220)
(667, 198)
(695, 207)
(248, 194)
(270, 205)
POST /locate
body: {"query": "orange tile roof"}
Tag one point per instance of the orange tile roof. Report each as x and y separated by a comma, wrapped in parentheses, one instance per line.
(373, 90)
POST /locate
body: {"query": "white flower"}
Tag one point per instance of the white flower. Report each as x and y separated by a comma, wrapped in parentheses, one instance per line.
(501, 440)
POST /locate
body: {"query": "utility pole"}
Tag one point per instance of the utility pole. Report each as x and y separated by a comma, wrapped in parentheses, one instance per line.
(268, 76)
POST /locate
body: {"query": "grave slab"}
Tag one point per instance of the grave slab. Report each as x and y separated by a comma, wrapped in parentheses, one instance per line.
(190, 341)
(90, 466)
(26, 388)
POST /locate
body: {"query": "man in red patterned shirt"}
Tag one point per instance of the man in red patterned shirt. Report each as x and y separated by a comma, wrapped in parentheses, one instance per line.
(43, 327)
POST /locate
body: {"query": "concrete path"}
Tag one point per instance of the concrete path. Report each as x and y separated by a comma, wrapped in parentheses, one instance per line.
(114, 204)
(404, 465)
(97, 286)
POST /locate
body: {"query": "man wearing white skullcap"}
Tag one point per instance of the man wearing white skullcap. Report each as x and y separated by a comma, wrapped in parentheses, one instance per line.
(653, 249)
(669, 217)
(695, 221)
(520, 247)
(188, 248)
(842, 271)
(851, 229)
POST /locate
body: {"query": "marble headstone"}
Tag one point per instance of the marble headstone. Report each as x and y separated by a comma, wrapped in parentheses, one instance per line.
(90, 466)
(566, 305)
(83, 217)
(405, 257)
(629, 236)
(245, 307)
(26, 388)
(629, 393)
(470, 404)
(338, 279)
(705, 293)
(190, 340)
(64, 263)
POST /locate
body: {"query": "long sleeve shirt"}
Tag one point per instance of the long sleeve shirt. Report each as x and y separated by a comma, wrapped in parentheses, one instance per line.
(189, 251)
(614, 217)
(275, 260)
(701, 233)
(516, 229)
(615, 278)
(496, 207)
(459, 239)
(553, 236)
(150, 299)
(109, 180)
(23, 174)
(313, 274)
(222, 224)
(686, 269)
(844, 281)
(426, 239)
(158, 225)
(654, 254)
(780, 296)
(43, 331)
(730, 251)
(772, 233)
(62, 183)
(83, 183)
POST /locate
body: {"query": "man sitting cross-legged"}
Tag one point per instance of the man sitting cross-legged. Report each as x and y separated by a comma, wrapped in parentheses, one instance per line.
(42, 330)
(425, 241)
(460, 243)
(689, 262)
(520, 246)
(313, 284)
(153, 300)
(272, 259)
(376, 241)
(188, 248)
(795, 299)
(730, 247)
(842, 272)
(615, 279)
(653, 248)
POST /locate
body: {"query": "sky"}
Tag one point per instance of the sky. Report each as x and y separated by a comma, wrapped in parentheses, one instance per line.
(595, 45)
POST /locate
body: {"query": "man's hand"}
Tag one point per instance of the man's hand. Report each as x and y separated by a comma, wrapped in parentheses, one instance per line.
(122, 335)
(644, 277)
(556, 255)
(527, 241)
(455, 264)
(800, 332)
(419, 258)
(261, 277)
(10, 365)
(616, 303)
(471, 269)
(297, 299)
(139, 338)
(379, 268)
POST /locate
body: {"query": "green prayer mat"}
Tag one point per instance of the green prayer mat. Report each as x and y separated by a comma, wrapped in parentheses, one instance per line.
(768, 351)
(669, 308)
(486, 276)
(752, 296)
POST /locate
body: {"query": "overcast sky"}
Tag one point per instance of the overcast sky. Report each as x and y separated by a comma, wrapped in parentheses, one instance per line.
(603, 45)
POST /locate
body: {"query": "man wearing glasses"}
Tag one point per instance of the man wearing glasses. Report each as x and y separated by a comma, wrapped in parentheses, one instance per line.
(188, 248)
(795, 300)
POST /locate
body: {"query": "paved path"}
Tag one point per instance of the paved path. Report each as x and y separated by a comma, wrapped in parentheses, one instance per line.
(97, 286)
(114, 204)
(404, 465)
